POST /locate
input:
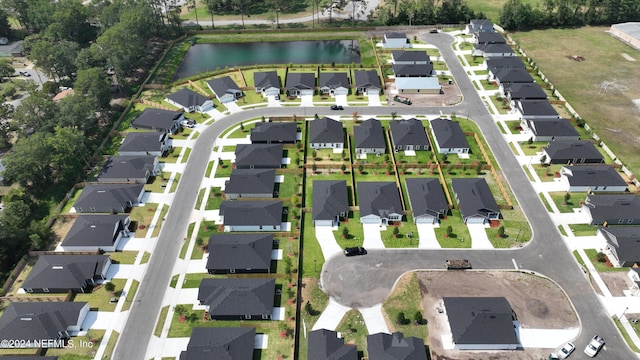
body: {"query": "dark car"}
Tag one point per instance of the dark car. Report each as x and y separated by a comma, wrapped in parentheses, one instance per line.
(355, 251)
(337, 107)
(433, 31)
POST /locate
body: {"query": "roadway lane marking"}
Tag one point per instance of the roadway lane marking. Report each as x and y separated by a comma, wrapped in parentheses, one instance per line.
(515, 264)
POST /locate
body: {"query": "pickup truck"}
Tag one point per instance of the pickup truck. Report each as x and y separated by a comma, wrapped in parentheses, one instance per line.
(457, 264)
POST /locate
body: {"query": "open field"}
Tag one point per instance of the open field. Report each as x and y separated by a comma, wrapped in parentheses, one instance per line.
(605, 97)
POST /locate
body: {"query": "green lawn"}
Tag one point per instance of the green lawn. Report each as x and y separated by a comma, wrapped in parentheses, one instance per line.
(548, 172)
(355, 236)
(318, 301)
(312, 259)
(460, 237)
(567, 206)
(161, 319)
(163, 213)
(583, 229)
(199, 199)
(100, 297)
(174, 184)
(214, 200)
(406, 297)
(353, 330)
(82, 347)
(130, 295)
(123, 257)
(185, 157)
(143, 215)
(402, 240)
(145, 257)
(601, 267)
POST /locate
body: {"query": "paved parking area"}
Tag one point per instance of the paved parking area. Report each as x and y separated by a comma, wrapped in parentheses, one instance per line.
(479, 239)
(427, 236)
(372, 238)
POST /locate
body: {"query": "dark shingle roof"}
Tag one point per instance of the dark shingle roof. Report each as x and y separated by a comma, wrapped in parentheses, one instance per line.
(625, 241)
(274, 132)
(536, 108)
(143, 141)
(408, 132)
(38, 320)
(266, 79)
(251, 181)
(552, 127)
(326, 130)
(525, 91)
(395, 346)
(410, 70)
(480, 320)
(490, 37)
(259, 155)
(572, 149)
(134, 166)
(334, 80)
(608, 207)
(240, 251)
(401, 55)
(367, 79)
(187, 97)
(426, 197)
(449, 134)
(300, 81)
(330, 198)
(223, 85)
(248, 213)
(325, 345)
(510, 76)
(27, 357)
(237, 296)
(593, 175)
(64, 271)
(157, 118)
(369, 134)
(474, 196)
(494, 48)
(395, 35)
(107, 197)
(378, 198)
(94, 230)
(513, 62)
(226, 343)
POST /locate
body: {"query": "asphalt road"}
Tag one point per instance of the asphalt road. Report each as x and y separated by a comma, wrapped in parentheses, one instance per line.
(362, 280)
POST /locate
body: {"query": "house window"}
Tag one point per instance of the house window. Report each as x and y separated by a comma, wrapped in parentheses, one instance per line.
(620, 221)
(247, 317)
(45, 290)
(266, 317)
(28, 290)
(260, 227)
(630, 221)
(93, 209)
(232, 271)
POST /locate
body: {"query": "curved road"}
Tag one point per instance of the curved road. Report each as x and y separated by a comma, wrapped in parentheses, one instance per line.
(346, 280)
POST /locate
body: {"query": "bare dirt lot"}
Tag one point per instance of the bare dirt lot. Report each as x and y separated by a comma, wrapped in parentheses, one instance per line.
(537, 302)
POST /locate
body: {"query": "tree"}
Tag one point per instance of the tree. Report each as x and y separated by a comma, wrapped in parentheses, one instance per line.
(242, 126)
(400, 318)
(445, 157)
(6, 127)
(501, 232)
(181, 310)
(567, 197)
(308, 308)
(192, 317)
(360, 168)
(109, 286)
(389, 168)
(37, 112)
(94, 84)
(345, 232)
(394, 115)
(543, 159)
(314, 154)
(211, 9)
(343, 167)
(418, 318)
(77, 112)
(55, 57)
(6, 69)
(449, 231)
(396, 231)
(71, 22)
(530, 141)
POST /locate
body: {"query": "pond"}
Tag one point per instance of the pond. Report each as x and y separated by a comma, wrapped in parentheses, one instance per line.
(208, 57)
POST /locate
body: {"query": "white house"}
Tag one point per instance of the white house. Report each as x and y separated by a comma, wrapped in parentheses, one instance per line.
(189, 100)
(379, 202)
(593, 178)
(395, 40)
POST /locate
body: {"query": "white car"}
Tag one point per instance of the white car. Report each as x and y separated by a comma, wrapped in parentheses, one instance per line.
(594, 346)
(566, 350)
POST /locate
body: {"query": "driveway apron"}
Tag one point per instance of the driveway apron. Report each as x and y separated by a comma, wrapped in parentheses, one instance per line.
(427, 236)
(479, 239)
(372, 238)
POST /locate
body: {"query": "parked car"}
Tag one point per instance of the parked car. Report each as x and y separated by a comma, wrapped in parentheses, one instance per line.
(566, 350)
(594, 346)
(355, 251)
(553, 356)
(187, 123)
(433, 31)
(402, 99)
(337, 107)
(25, 73)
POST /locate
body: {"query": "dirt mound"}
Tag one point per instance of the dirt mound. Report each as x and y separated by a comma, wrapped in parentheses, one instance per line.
(537, 308)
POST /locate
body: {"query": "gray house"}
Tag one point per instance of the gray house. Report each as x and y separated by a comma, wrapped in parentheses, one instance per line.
(449, 137)
(592, 178)
(367, 82)
(158, 120)
(535, 109)
(258, 156)
(189, 101)
(326, 133)
(477, 204)
(334, 83)
(612, 209)
(239, 253)
(506, 77)
(427, 199)
(622, 244)
(408, 135)
(571, 151)
(251, 215)
(379, 202)
(418, 85)
(488, 37)
(369, 137)
(229, 343)
(267, 82)
(493, 50)
(325, 344)
(482, 323)
(395, 346)
(395, 40)
(523, 91)
(250, 183)
(274, 133)
(412, 70)
(225, 89)
(28, 323)
(550, 129)
(509, 62)
(410, 57)
(238, 298)
(108, 198)
(330, 202)
(145, 143)
(299, 84)
(63, 273)
(96, 232)
(129, 169)
(478, 25)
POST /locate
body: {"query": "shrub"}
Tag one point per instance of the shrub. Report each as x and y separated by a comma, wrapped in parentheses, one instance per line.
(109, 286)
(601, 257)
(400, 318)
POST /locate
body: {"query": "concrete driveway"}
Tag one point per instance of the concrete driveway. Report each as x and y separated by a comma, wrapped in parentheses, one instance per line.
(341, 100)
(374, 319)
(427, 236)
(374, 100)
(306, 100)
(327, 241)
(331, 316)
(272, 101)
(479, 239)
(576, 217)
(233, 107)
(372, 238)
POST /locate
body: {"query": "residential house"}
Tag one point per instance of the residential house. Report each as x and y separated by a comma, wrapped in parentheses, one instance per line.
(367, 82)
(479, 25)
(96, 233)
(190, 101)
(488, 37)
(63, 94)
(418, 85)
(402, 57)
(250, 183)
(325, 344)
(550, 129)
(622, 245)
(258, 156)
(612, 209)
(535, 109)
(477, 204)
(449, 137)
(506, 77)
(274, 133)
(225, 89)
(492, 50)
(129, 169)
(300, 84)
(267, 82)
(108, 198)
(63, 273)
(634, 276)
(326, 133)
(158, 120)
(379, 202)
(408, 135)
(145, 143)
(592, 178)
(330, 202)
(239, 253)
(395, 40)
(571, 152)
(228, 343)
(523, 91)
(27, 324)
(509, 62)
(382, 346)
(251, 215)
(412, 71)
(427, 199)
(369, 137)
(334, 83)
(482, 323)
(238, 298)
